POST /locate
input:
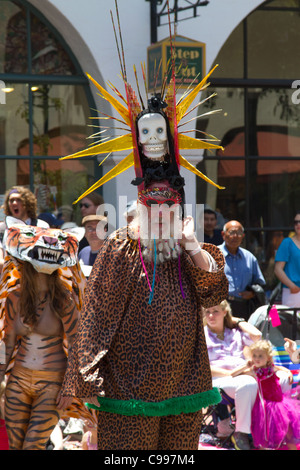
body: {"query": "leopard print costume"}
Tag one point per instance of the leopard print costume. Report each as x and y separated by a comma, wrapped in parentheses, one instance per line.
(130, 353)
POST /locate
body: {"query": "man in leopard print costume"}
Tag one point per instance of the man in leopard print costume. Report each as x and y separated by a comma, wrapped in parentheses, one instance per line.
(140, 354)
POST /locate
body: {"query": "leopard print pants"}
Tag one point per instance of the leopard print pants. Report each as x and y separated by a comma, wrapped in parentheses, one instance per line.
(180, 432)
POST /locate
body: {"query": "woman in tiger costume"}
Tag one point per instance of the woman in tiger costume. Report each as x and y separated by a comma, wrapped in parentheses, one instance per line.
(39, 316)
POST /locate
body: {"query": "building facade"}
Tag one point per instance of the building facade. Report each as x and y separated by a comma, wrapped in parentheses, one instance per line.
(48, 107)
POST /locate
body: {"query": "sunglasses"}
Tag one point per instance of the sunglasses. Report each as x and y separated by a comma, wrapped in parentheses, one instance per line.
(296, 222)
(84, 204)
(238, 233)
(152, 202)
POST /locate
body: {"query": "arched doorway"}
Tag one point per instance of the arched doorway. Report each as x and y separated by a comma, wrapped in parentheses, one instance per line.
(45, 105)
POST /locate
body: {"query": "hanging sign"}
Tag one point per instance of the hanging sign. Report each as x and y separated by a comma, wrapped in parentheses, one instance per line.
(189, 62)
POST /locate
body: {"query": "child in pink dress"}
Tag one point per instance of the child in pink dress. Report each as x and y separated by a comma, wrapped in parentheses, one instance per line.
(275, 416)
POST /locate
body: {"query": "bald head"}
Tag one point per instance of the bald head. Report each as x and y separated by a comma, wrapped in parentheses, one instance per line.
(233, 235)
(233, 224)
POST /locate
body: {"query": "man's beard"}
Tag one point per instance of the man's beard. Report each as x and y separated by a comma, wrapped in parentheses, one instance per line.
(159, 241)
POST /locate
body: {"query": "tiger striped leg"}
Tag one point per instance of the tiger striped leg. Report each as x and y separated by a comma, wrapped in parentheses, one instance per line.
(30, 407)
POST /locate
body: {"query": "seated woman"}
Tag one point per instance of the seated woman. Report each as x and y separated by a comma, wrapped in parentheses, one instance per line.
(226, 337)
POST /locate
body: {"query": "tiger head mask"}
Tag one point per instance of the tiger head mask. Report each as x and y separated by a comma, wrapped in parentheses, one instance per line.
(47, 249)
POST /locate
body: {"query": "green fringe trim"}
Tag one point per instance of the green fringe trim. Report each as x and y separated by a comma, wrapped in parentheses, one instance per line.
(172, 406)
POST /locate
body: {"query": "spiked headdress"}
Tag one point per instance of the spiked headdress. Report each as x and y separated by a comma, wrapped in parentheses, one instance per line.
(130, 112)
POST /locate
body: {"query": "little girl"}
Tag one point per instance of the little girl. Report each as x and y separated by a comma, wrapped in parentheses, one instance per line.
(275, 416)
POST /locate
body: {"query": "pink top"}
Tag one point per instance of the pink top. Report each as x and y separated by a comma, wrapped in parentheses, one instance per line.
(227, 353)
(269, 383)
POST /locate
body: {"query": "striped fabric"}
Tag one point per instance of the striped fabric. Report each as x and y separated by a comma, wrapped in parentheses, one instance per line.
(281, 358)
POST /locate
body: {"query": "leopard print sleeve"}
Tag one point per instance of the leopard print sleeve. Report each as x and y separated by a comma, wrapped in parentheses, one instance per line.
(211, 287)
(103, 307)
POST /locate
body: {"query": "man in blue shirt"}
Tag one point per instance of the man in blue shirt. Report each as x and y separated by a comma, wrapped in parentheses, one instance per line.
(241, 268)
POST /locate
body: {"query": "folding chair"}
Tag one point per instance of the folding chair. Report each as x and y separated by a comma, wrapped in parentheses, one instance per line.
(214, 415)
(289, 328)
(281, 358)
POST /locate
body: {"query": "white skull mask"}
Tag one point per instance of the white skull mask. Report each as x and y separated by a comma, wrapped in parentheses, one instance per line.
(153, 135)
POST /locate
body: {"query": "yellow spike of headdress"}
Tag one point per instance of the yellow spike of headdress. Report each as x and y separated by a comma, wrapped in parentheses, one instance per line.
(129, 116)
